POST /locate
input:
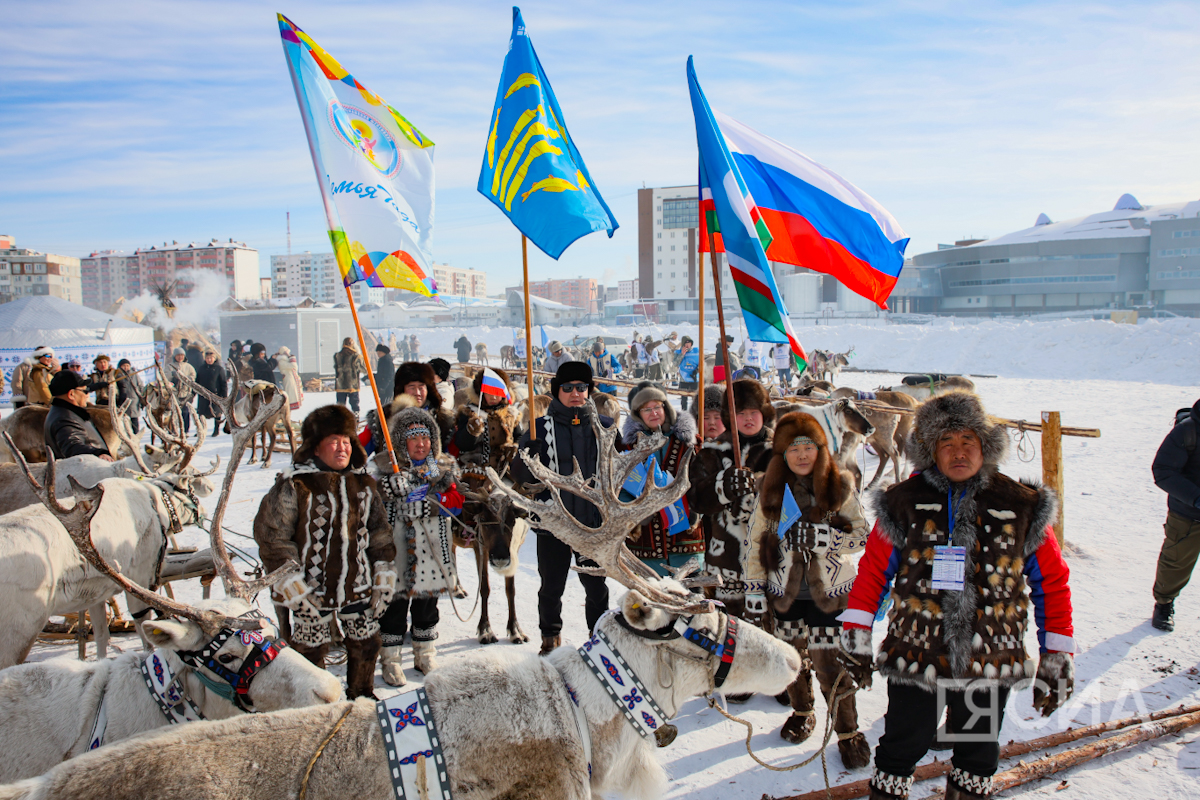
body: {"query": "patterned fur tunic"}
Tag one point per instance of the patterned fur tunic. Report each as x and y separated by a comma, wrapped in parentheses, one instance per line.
(425, 563)
(651, 539)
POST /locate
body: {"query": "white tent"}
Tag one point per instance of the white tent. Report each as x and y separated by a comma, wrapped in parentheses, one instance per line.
(74, 331)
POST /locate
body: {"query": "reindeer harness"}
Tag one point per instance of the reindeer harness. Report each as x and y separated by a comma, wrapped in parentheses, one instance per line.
(236, 685)
(412, 744)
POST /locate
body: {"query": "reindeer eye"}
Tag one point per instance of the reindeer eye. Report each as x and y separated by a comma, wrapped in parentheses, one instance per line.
(225, 658)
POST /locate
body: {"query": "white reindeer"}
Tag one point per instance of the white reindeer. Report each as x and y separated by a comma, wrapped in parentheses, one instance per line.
(510, 725)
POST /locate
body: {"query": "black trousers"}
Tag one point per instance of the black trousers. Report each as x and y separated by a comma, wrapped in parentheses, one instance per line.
(352, 397)
(685, 386)
(808, 611)
(912, 721)
(554, 563)
(394, 622)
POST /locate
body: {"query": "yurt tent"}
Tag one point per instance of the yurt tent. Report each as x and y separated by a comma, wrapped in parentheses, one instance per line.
(74, 331)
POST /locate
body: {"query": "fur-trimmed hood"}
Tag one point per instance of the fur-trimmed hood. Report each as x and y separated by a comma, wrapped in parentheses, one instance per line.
(954, 411)
(749, 393)
(328, 421)
(684, 429)
(830, 487)
(406, 417)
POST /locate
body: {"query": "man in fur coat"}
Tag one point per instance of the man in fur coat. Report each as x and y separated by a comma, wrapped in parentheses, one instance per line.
(726, 496)
(807, 570)
(963, 543)
(485, 428)
(326, 514)
(565, 433)
(650, 412)
(419, 499)
(416, 386)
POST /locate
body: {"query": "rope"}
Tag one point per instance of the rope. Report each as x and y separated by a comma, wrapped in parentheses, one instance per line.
(1026, 452)
(446, 577)
(832, 701)
(312, 762)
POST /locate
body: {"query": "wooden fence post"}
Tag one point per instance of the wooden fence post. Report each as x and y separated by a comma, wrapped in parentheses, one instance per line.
(1052, 463)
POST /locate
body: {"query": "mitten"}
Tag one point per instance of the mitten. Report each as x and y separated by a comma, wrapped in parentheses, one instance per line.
(737, 483)
(756, 609)
(294, 592)
(1054, 683)
(476, 425)
(383, 587)
(856, 655)
(814, 537)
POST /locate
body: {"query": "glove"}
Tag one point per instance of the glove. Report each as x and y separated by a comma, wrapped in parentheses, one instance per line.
(383, 587)
(1054, 683)
(737, 483)
(476, 425)
(756, 609)
(856, 655)
(813, 537)
(294, 593)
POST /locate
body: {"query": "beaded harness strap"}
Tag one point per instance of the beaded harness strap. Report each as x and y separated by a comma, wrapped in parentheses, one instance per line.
(412, 744)
(236, 686)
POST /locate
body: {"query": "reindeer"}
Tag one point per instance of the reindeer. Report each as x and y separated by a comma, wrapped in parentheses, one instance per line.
(259, 394)
(568, 737)
(481, 354)
(497, 535)
(53, 708)
(835, 362)
(508, 357)
(888, 440)
(923, 387)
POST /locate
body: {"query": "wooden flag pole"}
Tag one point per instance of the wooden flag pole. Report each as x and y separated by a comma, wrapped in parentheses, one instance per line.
(700, 370)
(733, 431)
(383, 422)
(528, 339)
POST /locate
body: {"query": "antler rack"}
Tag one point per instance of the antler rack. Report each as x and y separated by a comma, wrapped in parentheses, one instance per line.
(606, 545)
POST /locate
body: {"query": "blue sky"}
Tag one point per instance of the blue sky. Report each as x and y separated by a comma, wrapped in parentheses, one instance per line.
(130, 123)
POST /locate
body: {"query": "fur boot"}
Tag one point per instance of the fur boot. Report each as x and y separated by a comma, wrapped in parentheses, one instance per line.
(392, 666)
(803, 720)
(962, 785)
(852, 745)
(314, 654)
(424, 657)
(549, 644)
(360, 666)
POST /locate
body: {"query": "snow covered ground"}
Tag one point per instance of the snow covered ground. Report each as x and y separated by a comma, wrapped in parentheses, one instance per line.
(1125, 380)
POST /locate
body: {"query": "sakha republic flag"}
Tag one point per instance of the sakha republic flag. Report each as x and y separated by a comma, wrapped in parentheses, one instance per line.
(728, 209)
(815, 218)
(494, 385)
(375, 170)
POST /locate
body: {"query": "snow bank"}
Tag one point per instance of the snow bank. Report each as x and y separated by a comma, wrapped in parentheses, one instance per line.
(1156, 351)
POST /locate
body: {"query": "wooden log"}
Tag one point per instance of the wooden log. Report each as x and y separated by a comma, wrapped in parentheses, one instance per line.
(935, 769)
(1052, 464)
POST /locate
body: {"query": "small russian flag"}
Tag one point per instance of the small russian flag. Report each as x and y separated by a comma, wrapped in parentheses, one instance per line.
(493, 384)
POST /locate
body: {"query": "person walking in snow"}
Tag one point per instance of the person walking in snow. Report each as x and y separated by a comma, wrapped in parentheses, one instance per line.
(1177, 472)
(969, 550)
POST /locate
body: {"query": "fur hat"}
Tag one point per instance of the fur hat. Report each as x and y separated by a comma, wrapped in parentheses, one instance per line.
(347, 342)
(713, 400)
(382, 349)
(828, 487)
(43, 351)
(646, 391)
(571, 372)
(416, 372)
(99, 357)
(554, 346)
(440, 367)
(258, 347)
(749, 394)
(954, 411)
(329, 421)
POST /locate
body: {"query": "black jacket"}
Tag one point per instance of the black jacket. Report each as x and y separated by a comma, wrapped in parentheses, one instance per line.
(264, 369)
(1177, 472)
(574, 439)
(67, 432)
(194, 356)
(464, 349)
(214, 378)
(385, 378)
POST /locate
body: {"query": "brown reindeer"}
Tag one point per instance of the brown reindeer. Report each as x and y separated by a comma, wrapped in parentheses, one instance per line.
(481, 354)
(27, 426)
(259, 394)
(498, 532)
(891, 432)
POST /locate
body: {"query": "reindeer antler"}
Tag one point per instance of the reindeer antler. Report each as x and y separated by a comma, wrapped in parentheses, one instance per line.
(118, 423)
(78, 523)
(606, 545)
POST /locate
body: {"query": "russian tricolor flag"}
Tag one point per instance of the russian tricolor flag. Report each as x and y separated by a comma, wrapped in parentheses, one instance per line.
(817, 219)
(493, 384)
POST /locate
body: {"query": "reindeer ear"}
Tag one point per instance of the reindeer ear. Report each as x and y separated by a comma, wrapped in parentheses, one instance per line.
(166, 632)
(638, 613)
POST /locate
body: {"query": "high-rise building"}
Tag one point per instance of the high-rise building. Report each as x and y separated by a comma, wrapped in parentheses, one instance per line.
(575, 292)
(460, 281)
(171, 262)
(628, 290)
(7, 242)
(109, 275)
(28, 272)
(316, 276)
(668, 220)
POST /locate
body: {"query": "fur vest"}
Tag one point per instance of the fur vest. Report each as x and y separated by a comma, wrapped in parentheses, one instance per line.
(333, 524)
(496, 445)
(726, 520)
(979, 632)
(651, 539)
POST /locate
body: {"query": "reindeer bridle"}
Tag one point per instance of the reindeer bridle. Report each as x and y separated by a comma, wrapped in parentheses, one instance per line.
(236, 686)
(721, 651)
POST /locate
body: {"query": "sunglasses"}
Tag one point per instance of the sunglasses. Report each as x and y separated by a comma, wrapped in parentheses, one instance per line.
(574, 387)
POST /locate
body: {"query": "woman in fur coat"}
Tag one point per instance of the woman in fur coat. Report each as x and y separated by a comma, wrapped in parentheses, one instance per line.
(419, 500)
(650, 412)
(485, 428)
(806, 570)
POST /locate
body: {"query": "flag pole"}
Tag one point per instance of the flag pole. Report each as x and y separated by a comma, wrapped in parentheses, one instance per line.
(733, 431)
(528, 339)
(383, 423)
(700, 370)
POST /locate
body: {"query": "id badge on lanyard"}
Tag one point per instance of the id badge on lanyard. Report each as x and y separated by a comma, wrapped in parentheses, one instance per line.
(949, 562)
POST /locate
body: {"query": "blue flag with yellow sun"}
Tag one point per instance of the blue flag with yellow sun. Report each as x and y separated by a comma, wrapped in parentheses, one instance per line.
(531, 169)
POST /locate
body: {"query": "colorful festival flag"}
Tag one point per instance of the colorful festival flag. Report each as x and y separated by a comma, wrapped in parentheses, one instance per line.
(813, 217)
(531, 168)
(493, 384)
(374, 167)
(739, 231)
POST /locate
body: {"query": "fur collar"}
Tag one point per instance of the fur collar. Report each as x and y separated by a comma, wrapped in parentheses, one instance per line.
(828, 487)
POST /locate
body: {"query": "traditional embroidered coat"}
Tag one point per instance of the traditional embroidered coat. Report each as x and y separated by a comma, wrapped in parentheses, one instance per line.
(331, 523)
(976, 633)
(424, 539)
(651, 539)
